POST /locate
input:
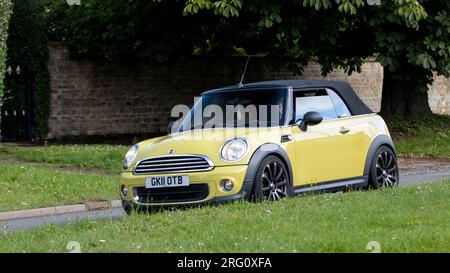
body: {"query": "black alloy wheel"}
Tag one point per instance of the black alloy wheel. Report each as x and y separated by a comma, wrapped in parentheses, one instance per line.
(272, 180)
(384, 170)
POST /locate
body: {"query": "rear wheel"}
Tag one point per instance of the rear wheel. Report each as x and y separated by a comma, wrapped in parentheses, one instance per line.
(384, 169)
(272, 180)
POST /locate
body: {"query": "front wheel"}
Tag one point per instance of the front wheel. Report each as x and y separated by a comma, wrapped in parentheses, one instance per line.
(384, 169)
(128, 207)
(272, 180)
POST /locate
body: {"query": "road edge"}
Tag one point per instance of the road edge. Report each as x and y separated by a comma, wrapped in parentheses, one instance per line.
(58, 210)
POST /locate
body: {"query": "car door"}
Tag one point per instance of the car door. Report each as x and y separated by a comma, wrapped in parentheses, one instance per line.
(355, 133)
(326, 151)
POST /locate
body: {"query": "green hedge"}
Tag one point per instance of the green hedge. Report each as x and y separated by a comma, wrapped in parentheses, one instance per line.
(5, 12)
(28, 48)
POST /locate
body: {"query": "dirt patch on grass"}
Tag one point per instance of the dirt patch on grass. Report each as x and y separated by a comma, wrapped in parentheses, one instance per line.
(416, 165)
(71, 168)
(85, 170)
(4, 155)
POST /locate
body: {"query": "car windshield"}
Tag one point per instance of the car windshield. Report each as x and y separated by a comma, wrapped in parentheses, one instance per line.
(239, 108)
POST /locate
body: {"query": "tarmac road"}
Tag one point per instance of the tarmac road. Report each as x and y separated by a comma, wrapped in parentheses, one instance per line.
(57, 220)
(407, 177)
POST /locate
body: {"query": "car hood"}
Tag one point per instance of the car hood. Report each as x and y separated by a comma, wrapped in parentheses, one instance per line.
(207, 142)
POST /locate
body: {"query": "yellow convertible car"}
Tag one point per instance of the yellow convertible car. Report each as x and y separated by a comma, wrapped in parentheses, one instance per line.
(265, 140)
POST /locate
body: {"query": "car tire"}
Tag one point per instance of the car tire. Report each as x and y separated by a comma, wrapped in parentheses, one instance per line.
(128, 207)
(272, 180)
(384, 169)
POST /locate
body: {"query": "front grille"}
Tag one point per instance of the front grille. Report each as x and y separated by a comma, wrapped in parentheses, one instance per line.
(194, 192)
(173, 164)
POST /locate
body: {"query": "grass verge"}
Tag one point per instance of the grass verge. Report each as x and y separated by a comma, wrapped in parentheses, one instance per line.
(406, 219)
(27, 186)
(105, 157)
(421, 137)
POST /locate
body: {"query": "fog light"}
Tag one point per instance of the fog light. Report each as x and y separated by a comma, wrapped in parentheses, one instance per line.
(124, 190)
(227, 184)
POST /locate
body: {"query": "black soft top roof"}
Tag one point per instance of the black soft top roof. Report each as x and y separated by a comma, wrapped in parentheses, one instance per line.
(343, 89)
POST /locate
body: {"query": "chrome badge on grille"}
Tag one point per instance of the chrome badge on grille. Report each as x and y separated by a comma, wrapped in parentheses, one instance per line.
(171, 151)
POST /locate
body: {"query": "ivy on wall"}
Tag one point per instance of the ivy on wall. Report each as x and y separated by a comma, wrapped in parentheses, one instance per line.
(28, 50)
(5, 13)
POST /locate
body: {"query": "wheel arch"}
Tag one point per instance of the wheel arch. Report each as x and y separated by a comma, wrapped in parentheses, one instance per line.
(260, 154)
(381, 140)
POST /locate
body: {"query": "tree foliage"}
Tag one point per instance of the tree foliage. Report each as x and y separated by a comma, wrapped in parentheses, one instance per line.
(331, 29)
(338, 32)
(411, 38)
(124, 30)
(5, 13)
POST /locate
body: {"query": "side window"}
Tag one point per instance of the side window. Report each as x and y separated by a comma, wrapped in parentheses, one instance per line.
(315, 100)
(339, 105)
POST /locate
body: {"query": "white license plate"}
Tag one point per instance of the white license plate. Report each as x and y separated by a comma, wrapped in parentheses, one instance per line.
(166, 181)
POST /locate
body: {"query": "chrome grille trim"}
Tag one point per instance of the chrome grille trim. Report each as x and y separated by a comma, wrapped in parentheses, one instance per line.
(178, 164)
(173, 164)
(176, 160)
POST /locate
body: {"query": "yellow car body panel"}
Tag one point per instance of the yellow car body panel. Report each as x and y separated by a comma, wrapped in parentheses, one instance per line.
(345, 153)
(208, 142)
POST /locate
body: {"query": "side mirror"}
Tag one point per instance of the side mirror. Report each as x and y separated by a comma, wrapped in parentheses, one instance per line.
(310, 118)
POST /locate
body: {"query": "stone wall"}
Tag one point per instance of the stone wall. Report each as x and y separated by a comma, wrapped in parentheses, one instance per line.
(439, 95)
(91, 98)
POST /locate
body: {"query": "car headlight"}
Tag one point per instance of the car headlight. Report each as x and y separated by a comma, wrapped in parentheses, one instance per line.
(234, 150)
(130, 156)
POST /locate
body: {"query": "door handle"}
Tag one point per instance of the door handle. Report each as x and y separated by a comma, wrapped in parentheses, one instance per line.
(286, 138)
(344, 130)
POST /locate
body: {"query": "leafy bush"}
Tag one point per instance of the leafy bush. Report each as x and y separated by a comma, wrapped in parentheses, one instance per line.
(5, 13)
(27, 48)
(421, 136)
(123, 30)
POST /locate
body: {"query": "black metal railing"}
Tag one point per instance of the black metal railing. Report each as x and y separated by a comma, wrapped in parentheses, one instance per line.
(14, 124)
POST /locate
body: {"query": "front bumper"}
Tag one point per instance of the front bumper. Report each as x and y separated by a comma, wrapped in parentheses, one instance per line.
(211, 179)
